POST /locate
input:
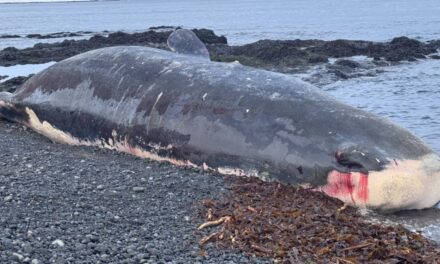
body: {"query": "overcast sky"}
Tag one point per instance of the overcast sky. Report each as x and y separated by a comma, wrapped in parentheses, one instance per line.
(28, 1)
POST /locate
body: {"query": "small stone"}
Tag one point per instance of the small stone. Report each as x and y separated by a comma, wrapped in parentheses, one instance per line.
(17, 257)
(100, 187)
(8, 198)
(58, 243)
(138, 189)
(35, 261)
(92, 238)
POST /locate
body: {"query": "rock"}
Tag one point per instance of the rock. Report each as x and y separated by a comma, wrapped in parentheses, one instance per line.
(9, 36)
(208, 36)
(348, 63)
(58, 243)
(45, 52)
(55, 35)
(406, 43)
(5, 244)
(17, 257)
(340, 74)
(33, 36)
(92, 238)
(404, 48)
(35, 261)
(100, 187)
(164, 28)
(8, 198)
(317, 58)
(138, 189)
(435, 57)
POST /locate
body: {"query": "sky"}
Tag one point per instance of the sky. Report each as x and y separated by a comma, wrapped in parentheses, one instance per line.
(39, 1)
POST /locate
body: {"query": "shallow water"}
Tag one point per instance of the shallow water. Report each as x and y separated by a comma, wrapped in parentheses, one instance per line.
(408, 93)
(22, 70)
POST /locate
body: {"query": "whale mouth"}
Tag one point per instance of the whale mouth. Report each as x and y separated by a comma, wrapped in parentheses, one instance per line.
(349, 187)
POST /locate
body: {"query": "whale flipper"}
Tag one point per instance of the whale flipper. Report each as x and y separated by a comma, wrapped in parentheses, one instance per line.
(184, 41)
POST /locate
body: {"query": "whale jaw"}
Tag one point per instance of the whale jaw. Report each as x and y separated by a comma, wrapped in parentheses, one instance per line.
(402, 185)
(349, 187)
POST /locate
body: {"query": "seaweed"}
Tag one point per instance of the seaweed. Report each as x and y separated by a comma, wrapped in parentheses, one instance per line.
(299, 225)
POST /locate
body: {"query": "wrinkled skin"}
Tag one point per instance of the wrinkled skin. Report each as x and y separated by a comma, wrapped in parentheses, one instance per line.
(227, 117)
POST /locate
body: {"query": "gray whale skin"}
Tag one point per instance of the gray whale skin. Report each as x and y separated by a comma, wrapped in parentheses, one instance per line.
(182, 108)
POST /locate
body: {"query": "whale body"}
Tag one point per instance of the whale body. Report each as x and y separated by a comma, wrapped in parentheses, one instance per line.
(183, 108)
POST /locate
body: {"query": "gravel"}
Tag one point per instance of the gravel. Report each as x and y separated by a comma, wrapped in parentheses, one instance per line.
(67, 204)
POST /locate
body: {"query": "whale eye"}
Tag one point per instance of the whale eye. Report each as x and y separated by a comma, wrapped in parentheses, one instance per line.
(356, 160)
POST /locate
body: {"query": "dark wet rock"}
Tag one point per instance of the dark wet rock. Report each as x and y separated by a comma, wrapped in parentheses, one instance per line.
(45, 52)
(317, 58)
(9, 36)
(348, 63)
(208, 36)
(435, 57)
(344, 69)
(58, 35)
(273, 52)
(342, 48)
(404, 48)
(281, 54)
(399, 49)
(13, 84)
(380, 62)
(33, 36)
(168, 28)
(340, 74)
(3, 77)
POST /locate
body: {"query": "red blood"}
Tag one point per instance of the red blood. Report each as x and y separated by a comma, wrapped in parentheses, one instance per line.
(353, 186)
(362, 192)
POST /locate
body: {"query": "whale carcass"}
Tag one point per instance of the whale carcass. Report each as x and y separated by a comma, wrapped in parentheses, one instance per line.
(183, 108)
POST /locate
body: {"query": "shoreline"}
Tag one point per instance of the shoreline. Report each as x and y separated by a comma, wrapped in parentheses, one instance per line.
(96, 182)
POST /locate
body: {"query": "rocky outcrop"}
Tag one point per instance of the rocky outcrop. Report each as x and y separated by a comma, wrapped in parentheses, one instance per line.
(289, 56)
(45, 52)
(9, 36)
(58, 35)
(294, 53)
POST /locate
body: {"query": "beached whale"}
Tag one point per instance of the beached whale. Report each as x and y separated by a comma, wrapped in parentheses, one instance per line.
(181, 107)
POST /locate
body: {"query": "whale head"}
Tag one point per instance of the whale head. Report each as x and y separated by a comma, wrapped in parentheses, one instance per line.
(401, 184)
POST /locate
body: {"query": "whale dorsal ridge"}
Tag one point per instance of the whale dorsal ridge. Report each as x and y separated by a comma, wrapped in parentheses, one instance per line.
(184, 41)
